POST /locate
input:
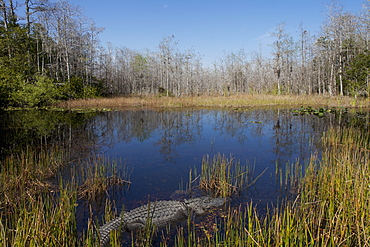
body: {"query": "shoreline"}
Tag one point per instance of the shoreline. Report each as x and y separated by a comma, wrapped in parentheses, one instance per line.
(242, 101)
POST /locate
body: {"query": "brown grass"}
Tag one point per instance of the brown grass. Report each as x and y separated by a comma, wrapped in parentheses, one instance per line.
(216, 101)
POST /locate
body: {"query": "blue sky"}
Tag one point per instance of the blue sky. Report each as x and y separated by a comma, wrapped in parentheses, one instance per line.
(210, 27)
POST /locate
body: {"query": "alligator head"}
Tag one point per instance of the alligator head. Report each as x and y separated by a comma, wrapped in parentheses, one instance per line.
(201, 204)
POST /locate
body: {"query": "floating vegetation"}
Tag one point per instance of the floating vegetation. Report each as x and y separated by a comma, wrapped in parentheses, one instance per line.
(258, 122)
(60, 109)
(319, 112)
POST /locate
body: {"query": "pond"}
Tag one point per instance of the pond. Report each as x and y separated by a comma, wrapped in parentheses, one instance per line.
(160, 147)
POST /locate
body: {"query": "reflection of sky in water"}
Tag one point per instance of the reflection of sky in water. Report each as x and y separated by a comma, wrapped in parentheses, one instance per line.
(176, 142)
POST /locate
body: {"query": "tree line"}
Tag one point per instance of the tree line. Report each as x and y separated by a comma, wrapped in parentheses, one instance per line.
(47, 53)
(50, 51)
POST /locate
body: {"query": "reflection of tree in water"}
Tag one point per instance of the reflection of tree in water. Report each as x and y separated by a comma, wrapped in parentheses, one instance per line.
(299, 136)
(291, 136)
(40, 129)
(177, 128)
(240, 124)
(87, 133)
(173, 128)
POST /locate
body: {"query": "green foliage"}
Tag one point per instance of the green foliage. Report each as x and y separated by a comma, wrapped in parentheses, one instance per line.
(21, 82)
(76, 89)
(9, 80)
(38, 93)
(320, 112)
(140, 63)
(358, 72)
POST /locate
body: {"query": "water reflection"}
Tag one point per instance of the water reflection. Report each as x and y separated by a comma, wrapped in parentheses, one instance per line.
(162, 146)
(22, 128)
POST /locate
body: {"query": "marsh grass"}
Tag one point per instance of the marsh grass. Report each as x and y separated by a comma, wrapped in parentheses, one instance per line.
(25, 174)
(252, 100)
(46, 221)
(224, 177)
(98, 175)
(331, 209)
(290, 175)
(38, 205)
(144, 237)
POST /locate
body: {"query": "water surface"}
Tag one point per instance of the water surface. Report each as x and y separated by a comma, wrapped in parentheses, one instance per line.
(162, 146)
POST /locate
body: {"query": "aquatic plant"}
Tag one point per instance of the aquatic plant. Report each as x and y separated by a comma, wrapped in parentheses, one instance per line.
(26, 174)
(38, 206)
(319, 112)
(223, 177)
(98, 174)
(331, 207)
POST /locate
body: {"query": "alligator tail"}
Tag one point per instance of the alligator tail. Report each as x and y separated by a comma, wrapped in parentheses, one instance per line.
(104, 231)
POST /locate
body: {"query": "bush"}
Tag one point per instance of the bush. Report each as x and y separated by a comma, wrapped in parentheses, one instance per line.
(76, 89)
(38, 93)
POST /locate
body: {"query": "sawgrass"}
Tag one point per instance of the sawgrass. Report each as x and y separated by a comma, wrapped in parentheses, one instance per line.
(44, 222)
(331, 209)
(224, 177)
(250, 100)
(25, 174)
(38, 206)
(97, 175)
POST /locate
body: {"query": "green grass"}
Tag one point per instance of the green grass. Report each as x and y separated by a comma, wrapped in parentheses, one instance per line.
(99, 174)
(224, 177)
(332, 206)
(24, 175)
(45, 221)
(38, 207)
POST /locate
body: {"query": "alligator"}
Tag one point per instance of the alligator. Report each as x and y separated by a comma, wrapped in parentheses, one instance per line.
(160, 213)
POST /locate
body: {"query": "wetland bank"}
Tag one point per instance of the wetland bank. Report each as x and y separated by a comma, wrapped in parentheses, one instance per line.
(64, 173)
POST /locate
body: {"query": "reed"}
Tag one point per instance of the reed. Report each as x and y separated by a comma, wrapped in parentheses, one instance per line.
(250, 100)
(25, 174)
(331, 208)
(290, 175)
(98, 175)
(46, 221)
(222, 177)
(38, 206)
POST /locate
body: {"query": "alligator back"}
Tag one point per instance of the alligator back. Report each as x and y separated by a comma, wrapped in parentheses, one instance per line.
(159, 213)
